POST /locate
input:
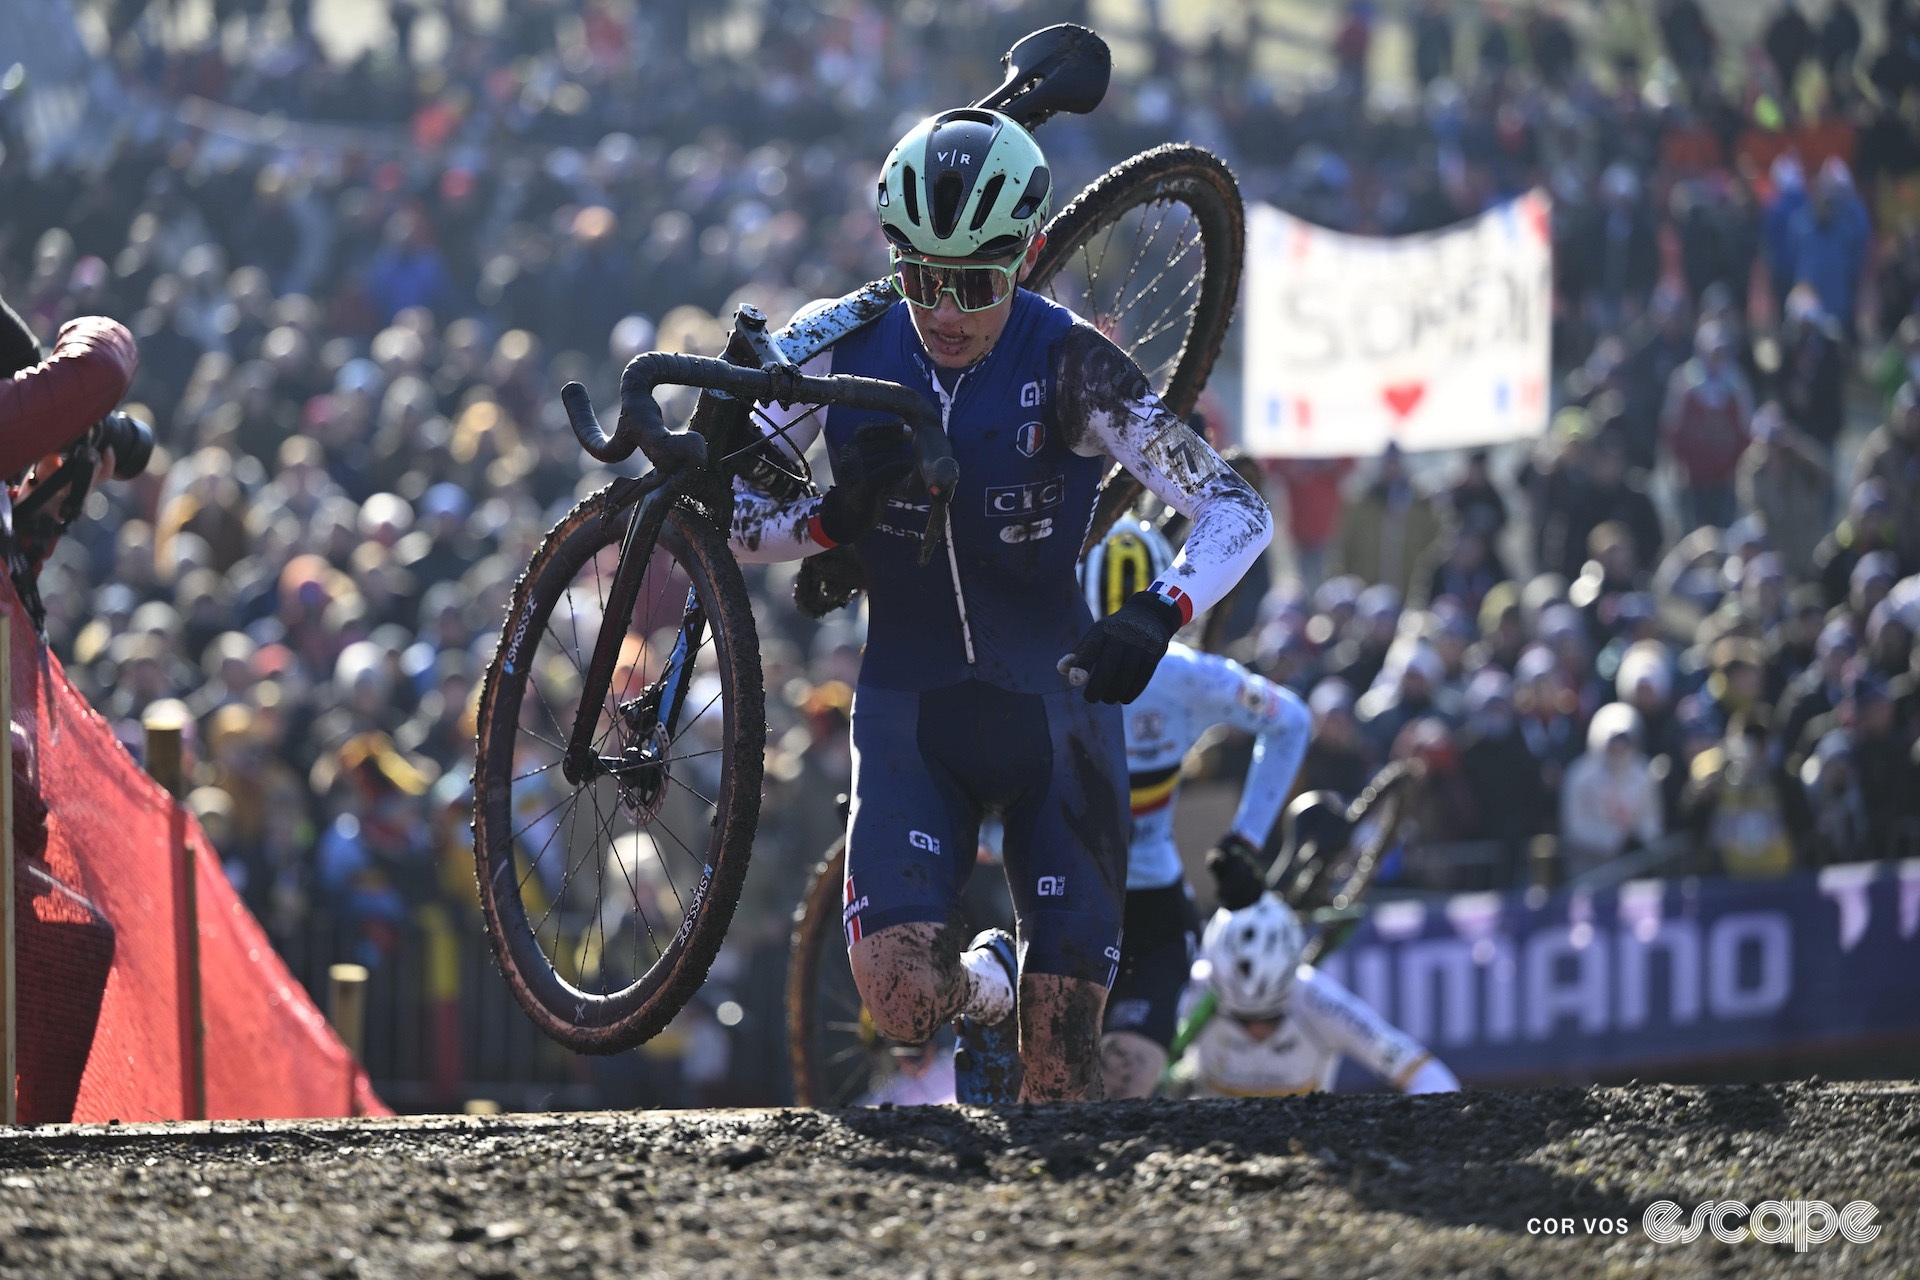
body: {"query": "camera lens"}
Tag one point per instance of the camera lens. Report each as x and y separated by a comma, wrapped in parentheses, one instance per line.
(131, 441)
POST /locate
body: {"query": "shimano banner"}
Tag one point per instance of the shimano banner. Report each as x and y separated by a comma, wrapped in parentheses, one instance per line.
(1435, 341)
(1649, 975)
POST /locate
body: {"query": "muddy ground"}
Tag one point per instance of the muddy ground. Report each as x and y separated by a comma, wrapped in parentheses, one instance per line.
(1286, 1189)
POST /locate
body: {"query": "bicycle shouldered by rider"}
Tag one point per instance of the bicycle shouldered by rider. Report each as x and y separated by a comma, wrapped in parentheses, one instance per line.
(965, 705)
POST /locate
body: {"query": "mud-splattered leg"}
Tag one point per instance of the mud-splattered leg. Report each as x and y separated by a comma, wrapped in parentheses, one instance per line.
(1060, 1038)
(1131, 1064)
(910, 978)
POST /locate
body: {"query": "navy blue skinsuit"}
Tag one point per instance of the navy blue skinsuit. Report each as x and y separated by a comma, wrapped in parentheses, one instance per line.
(955, 720)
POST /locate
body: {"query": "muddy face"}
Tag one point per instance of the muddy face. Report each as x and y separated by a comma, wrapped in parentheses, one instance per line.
(955, 339)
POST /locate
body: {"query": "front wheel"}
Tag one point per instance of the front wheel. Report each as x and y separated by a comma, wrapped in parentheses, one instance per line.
(607, 891)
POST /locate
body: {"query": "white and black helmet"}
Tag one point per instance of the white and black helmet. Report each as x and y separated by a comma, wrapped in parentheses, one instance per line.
(965, 184)
(1252, 954)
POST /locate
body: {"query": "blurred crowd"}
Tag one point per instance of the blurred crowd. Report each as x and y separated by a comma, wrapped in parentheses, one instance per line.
(1683, 624)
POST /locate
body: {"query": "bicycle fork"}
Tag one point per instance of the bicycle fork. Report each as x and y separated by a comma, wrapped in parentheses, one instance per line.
(653, 718)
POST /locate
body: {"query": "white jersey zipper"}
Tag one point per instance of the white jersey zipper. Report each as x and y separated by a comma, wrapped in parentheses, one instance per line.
(953, 556)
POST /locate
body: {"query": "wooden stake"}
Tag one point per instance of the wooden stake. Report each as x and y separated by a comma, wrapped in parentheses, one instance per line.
(347, 1005)
(190, 963)
(166, 761)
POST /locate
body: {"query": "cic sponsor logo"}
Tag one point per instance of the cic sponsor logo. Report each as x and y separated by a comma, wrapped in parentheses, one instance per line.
(1800, 1222)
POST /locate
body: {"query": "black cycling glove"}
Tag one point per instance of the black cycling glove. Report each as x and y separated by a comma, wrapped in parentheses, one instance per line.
(870, 467)
(1237, 879)
(1120, 651)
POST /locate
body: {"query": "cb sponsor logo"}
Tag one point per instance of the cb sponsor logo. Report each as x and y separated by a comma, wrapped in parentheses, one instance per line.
(1032, 531)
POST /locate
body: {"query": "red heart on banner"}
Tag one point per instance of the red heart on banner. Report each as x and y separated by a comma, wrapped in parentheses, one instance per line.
(1403, 398)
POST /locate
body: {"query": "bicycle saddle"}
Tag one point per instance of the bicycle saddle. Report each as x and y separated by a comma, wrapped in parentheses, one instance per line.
(1059, 68)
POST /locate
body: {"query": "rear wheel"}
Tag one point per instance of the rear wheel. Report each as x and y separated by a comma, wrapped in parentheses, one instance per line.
(1150, 255)
(606, 897)
(838, 1057)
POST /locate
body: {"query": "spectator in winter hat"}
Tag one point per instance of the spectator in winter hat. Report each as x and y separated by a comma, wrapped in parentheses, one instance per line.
(1784, 480)
(1819, 689)
(1547, 709)
(1790, 645)
(1869, 527)
(1334, 602)
(1889, 647)
(1338, 757)
(1705, 423)
(1836, 827)
(1407, 688)
(1388, 527)
(1891, 455)
(1502, 635)
(1872, 578)
(1883, 764)
(1510, 801)
(1359, 655)
(1829, 240)
(1733, 801)
(1610, 802)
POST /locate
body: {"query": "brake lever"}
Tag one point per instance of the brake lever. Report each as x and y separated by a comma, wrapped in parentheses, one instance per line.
(936, 526)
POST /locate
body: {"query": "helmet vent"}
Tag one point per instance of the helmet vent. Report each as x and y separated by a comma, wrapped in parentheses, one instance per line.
(989, 196)
(910, 187)
(1035, 195)
(948, 190)
(884, 199)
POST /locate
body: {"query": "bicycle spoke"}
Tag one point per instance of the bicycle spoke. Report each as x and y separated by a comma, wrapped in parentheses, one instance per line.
(522, 777)
(709, 801)
(1133, 265)
(561, 893)
(668, 871)
(549, 809)
(533, 863)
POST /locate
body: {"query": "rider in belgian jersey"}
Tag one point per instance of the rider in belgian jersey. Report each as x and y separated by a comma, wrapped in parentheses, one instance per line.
(1190, 693)
(962, 708)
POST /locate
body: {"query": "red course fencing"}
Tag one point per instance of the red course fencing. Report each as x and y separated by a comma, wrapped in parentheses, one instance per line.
(105, 975)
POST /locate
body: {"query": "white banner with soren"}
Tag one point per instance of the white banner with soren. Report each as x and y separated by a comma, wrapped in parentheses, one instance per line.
(1434, 341)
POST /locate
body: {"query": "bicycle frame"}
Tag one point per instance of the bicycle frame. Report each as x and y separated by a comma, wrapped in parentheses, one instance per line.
(683, 471)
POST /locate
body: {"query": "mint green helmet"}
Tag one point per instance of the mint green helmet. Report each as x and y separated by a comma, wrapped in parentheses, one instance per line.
(965, 184)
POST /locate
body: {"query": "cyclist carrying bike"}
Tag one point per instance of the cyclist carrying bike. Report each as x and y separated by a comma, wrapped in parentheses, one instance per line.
(963, 707)
(1190, 692)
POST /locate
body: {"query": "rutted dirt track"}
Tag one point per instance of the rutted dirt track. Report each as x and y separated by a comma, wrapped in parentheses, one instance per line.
(1371, 1186)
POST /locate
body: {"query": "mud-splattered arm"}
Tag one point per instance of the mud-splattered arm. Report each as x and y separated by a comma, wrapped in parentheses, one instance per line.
(766, 529)
(1105, 405)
